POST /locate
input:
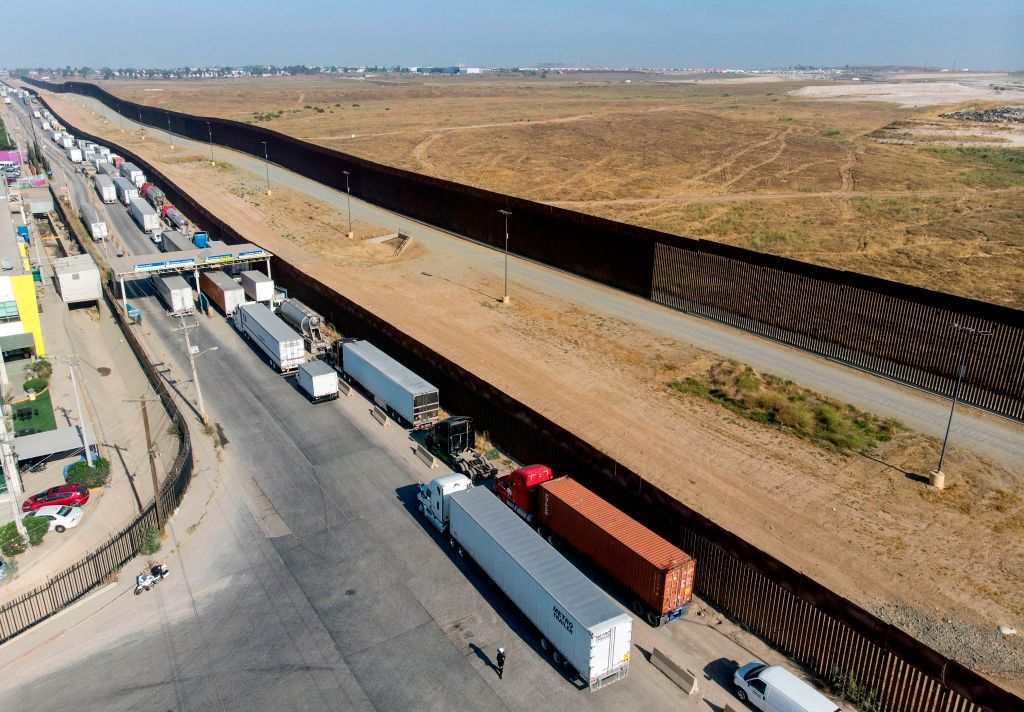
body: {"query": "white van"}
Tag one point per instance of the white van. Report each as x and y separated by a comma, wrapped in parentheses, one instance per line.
(775, 689)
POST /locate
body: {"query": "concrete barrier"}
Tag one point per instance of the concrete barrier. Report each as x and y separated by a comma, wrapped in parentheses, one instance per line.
(428, 457)
(684, 679)
(380, 415)
(344, 388)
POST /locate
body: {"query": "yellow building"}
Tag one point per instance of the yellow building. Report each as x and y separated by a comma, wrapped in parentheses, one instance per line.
(20, 331)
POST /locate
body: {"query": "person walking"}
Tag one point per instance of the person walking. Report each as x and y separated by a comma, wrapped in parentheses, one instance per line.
(501, 662)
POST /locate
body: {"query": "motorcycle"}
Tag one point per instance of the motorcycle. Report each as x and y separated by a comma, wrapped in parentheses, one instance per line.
(148, 579)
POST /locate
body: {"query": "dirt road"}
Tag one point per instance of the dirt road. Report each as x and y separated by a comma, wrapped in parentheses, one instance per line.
(598, 363)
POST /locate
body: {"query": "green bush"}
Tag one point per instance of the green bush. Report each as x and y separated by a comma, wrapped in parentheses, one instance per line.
(11, 542)
(36, 528)
(34, 385)
(150, 540)
(42, 368)
(96, 476)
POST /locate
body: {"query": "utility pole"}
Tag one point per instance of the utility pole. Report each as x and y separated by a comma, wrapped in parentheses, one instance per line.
(152, 465)
(170, 140)
(141, 127)
(506, 213)
(937, 476)
(193, 351)
(82, 423)
(266, 162)
(209, 130)
(348, 193)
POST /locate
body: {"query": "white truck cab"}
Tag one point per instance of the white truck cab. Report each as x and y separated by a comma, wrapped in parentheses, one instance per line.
(773, 688)
(433, 497)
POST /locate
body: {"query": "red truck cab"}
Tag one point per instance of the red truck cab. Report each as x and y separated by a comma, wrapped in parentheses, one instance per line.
(519, 489)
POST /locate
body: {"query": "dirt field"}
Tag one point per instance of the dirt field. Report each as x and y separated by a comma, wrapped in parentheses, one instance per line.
(777, 165)
(863, 525)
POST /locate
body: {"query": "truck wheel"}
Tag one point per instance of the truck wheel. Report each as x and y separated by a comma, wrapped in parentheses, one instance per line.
(638, 608)
(557, 657)
(451, 542)
(553, 540)
(653, 619)
(419, 507)
(741, 694)
(545, 645)
(462, 553)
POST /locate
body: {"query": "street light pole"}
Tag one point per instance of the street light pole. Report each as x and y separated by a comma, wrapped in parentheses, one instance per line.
(937, 476)
(141, 127)
(506, 213)
(348, 193)
(170, 140)
(209, 130)
(266, 162)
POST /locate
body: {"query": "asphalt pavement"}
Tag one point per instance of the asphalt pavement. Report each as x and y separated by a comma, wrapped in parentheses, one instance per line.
(988, 434)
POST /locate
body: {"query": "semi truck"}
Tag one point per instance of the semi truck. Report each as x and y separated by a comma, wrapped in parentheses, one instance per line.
(658, 574)
(174, 241)
(126, 190)
(258, 286)
(580, 626)
(92, 220)
(401, 393)
(154, 195)
(174, 217)
(273, 337)
(306, 321)
(318, 380)
(175, 293)
(105, 188)
(201, 239)
(145, 217)
(223, 291)
(454, 441)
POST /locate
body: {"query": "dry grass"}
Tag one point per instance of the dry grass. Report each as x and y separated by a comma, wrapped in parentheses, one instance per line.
(740, 163)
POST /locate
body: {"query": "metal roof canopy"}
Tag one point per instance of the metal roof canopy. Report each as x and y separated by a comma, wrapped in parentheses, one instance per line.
(51, 442)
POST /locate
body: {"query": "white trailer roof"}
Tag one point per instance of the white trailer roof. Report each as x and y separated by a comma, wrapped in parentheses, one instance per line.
(270, 322)
(394, 370)
(317, 368)
(574, 592)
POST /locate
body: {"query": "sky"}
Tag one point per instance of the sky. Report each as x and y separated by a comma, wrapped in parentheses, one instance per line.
(980, 34)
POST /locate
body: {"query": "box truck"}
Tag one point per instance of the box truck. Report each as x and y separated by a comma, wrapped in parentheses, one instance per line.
(404, 395)
(258, 286)
(273, 337)
(175, 293)
(223, 291)
(144, 215)
(318, 380)
(105, 188)
(657, 574)
(93, 221)
(579, 625)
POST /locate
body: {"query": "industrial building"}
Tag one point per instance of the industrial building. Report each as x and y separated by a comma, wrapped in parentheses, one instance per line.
(21, 335)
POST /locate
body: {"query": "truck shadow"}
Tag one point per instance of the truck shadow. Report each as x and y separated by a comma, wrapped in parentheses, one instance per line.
(720, 672)
(495, 597)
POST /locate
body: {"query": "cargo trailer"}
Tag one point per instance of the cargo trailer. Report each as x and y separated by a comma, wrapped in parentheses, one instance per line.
(579, 625)
(273, 337)
(67, 141)
(93, 221)
(74, 154)
(223, 291)
(404, 395)
(107, 169)
(175, 293)
(318, 380)
(105, 188)
(144, 215)
(658, 574)
(174, 241)
(56, 136)
(305, 321)
(133, 173)
(258, 286)
(77, 279)
(126, 190)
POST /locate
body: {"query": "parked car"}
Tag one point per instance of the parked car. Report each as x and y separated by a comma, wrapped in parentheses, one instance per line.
(61, 517)
(772, 688)
(70, 495)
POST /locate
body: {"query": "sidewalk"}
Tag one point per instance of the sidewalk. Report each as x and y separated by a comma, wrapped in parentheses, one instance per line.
(108, 375)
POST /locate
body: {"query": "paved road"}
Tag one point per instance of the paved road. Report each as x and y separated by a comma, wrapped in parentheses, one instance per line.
(998, 438)
(311, 583)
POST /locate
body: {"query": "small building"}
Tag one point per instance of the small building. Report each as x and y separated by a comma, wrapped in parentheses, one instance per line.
(39, 200)
(78, 279)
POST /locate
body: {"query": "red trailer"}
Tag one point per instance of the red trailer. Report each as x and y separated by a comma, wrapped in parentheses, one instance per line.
(657, 573)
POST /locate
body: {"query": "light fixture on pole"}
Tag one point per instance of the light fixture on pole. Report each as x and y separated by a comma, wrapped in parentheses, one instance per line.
(266, 162)
(937, 477)
(506, 213)
(348, 193)
(209, 130)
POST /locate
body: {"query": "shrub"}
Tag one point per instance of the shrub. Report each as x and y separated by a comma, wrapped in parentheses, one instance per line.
(11, 542)
(150, 540)
(96, 476)
(42, 368)
(34, 385)
(36, 527)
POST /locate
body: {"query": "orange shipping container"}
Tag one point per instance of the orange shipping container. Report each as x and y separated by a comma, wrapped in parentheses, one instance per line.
(659, 573)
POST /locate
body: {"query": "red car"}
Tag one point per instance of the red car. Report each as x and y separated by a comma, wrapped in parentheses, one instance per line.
(70, 495)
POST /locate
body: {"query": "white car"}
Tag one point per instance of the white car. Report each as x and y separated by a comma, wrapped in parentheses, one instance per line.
(62, 517)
